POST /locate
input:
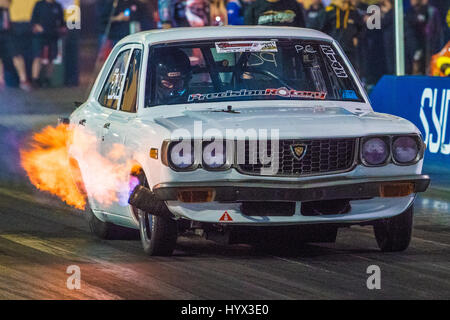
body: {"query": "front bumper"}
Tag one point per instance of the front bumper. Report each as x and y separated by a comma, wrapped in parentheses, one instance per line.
(328, 188)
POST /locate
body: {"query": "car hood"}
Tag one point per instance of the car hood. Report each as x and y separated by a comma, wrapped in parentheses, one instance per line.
(291, 122)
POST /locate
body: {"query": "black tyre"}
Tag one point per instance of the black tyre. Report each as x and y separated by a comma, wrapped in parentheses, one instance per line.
(157, 228)
(158, 232)
(107, 230)
(394, 234)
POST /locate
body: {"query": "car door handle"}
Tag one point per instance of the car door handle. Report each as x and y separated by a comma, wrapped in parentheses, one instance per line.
(82, 122)
(106, 126)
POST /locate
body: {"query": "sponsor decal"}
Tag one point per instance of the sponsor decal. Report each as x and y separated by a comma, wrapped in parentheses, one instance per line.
(246, 46)
(280, 92)
(349, 94)
(271, 17)
(174, 74)
(338, 69)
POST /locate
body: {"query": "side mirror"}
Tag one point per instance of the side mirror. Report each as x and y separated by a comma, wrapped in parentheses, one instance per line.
(63, 120)
(77, 104)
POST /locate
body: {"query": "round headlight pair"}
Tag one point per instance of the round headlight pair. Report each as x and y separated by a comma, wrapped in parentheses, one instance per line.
(376, 151)
(181, 155)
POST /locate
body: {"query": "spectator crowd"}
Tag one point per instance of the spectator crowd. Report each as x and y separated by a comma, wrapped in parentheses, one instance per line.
(36, 37)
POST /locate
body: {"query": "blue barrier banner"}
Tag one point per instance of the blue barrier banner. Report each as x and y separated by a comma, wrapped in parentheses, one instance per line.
(425, 102)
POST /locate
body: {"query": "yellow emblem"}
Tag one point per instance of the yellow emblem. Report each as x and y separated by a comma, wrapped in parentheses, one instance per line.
(298, 151)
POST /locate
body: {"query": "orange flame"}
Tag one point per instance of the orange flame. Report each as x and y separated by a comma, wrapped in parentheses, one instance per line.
(49, 167)
(46, 162)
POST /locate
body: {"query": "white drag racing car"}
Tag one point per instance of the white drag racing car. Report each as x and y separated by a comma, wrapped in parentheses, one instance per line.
(249, 134)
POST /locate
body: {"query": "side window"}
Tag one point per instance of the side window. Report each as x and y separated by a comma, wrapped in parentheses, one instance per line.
(129, 100)
(110, 95)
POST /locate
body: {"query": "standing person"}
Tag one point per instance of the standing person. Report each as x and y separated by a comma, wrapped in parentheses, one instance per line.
(235, 12)
(314, 14)
(172, 13)
(4, 35)
(179, 19)
(218, 13)
(146, 16)
(20, 38)
(440, 62)
(166, 11)
(343, 22)
(434, 33)
(48, 22)
(101, 6)
(415, 20)
(446, 19)
(387, 25)
(198, 13)
(275, 13)
(424, 33)
(124, 16)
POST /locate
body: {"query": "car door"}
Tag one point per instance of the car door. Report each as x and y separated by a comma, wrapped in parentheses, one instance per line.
(96, 114)
(116, 126)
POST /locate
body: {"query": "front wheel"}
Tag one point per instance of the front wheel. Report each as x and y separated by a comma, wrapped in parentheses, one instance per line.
(394, 234)
(158, 233)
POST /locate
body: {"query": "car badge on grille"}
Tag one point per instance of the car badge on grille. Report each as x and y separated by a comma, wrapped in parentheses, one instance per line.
(298, 151)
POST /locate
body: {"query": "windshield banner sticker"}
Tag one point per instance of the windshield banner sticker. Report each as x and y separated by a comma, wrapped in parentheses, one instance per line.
(246, 46)
(280, 92)
(337, 67)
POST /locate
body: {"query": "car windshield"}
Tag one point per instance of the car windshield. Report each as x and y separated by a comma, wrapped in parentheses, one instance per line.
(239, 70)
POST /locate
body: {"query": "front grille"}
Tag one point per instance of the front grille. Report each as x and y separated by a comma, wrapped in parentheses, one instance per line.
(321, 157)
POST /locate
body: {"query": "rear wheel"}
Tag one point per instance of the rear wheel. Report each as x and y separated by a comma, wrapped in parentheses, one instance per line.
(394, 234)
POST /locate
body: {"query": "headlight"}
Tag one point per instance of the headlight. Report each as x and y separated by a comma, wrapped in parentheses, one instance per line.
(181, 155)
(375, 151)
(214, 155)
(405, 149)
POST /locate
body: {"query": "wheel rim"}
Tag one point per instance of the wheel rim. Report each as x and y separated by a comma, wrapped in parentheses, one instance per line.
(146, 223)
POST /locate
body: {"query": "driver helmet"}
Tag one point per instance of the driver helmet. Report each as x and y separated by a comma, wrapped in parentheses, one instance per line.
(173, 73)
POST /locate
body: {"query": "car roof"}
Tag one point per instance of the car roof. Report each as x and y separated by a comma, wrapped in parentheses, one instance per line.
(228, 32)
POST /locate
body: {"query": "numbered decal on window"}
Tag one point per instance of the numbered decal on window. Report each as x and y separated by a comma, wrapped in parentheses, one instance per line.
(116, 85)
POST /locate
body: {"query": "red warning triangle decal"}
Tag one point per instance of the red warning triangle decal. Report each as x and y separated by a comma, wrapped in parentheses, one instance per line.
(225, 217)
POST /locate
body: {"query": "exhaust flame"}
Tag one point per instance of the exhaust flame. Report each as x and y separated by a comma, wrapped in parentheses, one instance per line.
(50, 167)
(47, 165)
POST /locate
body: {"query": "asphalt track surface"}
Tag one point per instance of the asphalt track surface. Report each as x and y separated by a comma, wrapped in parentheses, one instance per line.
(40, 238)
